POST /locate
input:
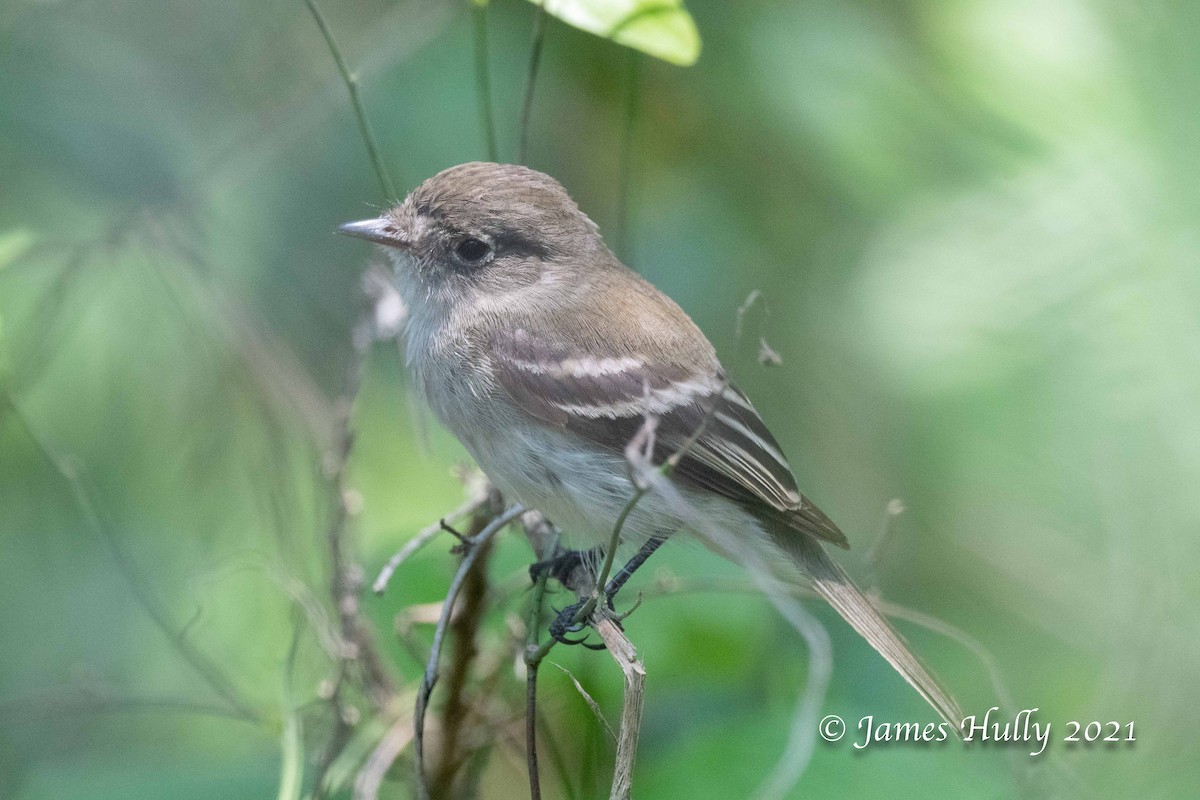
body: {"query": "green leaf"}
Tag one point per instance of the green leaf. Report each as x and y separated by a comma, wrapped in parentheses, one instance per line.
(660, 28)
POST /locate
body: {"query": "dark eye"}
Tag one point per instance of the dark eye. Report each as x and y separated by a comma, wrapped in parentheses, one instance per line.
(472, 250)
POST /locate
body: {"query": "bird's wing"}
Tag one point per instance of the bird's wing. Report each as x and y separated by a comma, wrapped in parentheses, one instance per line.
(606, 400)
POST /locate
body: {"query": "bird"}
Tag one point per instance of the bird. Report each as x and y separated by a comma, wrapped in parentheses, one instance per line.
(545, 356)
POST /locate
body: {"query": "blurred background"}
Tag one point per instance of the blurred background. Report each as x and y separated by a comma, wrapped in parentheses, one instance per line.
(974, 228)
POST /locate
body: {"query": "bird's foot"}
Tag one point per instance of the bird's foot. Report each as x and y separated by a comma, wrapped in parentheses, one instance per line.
(566, 622)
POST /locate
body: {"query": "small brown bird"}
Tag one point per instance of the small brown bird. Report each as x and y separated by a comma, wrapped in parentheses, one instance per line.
(544, 355)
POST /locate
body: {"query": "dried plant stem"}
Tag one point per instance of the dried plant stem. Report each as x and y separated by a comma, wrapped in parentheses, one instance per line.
(346, 577)
(531, 717)
(357, 646)
(360, 113)
(625, 655)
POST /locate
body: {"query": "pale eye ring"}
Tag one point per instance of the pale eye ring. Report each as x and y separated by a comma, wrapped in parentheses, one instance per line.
(472, 250)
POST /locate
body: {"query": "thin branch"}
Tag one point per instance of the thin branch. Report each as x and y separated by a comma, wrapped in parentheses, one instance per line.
(544, 539)
(464, 627)
(74, 700)
(431, 668)
(483, 82)
(535, 58)
(360, 113)
(531, 717)
(477, 498)
(357, 640)
(346, 577)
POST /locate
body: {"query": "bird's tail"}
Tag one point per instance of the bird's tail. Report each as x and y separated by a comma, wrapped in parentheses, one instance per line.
(835, 586)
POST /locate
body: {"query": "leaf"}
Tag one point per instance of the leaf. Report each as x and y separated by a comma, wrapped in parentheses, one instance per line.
(660, 28)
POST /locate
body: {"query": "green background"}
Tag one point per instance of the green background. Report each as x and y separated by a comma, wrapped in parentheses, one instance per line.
(974, 227)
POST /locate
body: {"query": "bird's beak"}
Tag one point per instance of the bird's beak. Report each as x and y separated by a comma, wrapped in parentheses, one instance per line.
(380, 230)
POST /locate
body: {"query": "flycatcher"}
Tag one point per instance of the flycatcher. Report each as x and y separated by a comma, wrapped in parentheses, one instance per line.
(544, 355)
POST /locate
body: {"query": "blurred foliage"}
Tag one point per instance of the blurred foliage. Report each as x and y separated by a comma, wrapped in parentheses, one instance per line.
(974, 226)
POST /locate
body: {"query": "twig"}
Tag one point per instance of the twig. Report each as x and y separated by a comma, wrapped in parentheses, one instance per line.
(478, 496)
(483, 81)
(358, 644)
(346, 578)
(638, 454)
(756, 562)
(531, 716)
(74, 700)
(439, 634)
(895, 507)
(360, 113)
(464, 627)
(625, 655)
(545, 544)
(535, 57)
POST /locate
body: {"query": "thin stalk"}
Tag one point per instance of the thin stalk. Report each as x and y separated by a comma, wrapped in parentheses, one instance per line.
(360, 113)
(533, 660)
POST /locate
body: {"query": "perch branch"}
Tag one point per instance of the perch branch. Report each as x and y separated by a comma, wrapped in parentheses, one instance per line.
(625, 655)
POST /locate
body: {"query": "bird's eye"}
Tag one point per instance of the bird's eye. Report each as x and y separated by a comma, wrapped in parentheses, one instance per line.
(472, 250)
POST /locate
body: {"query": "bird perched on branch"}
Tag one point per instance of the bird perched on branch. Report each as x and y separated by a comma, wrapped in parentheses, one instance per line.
(545, 355)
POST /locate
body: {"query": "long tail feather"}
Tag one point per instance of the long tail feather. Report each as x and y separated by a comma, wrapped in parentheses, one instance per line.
(833, 584)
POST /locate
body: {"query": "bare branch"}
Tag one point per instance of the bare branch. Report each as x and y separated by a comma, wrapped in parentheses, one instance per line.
(431, 668)
(478, 490)
(464, 626)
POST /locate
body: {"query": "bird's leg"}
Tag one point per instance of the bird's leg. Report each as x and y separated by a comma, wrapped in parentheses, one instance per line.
(631, 566)
(566, 623)
(563, 563)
